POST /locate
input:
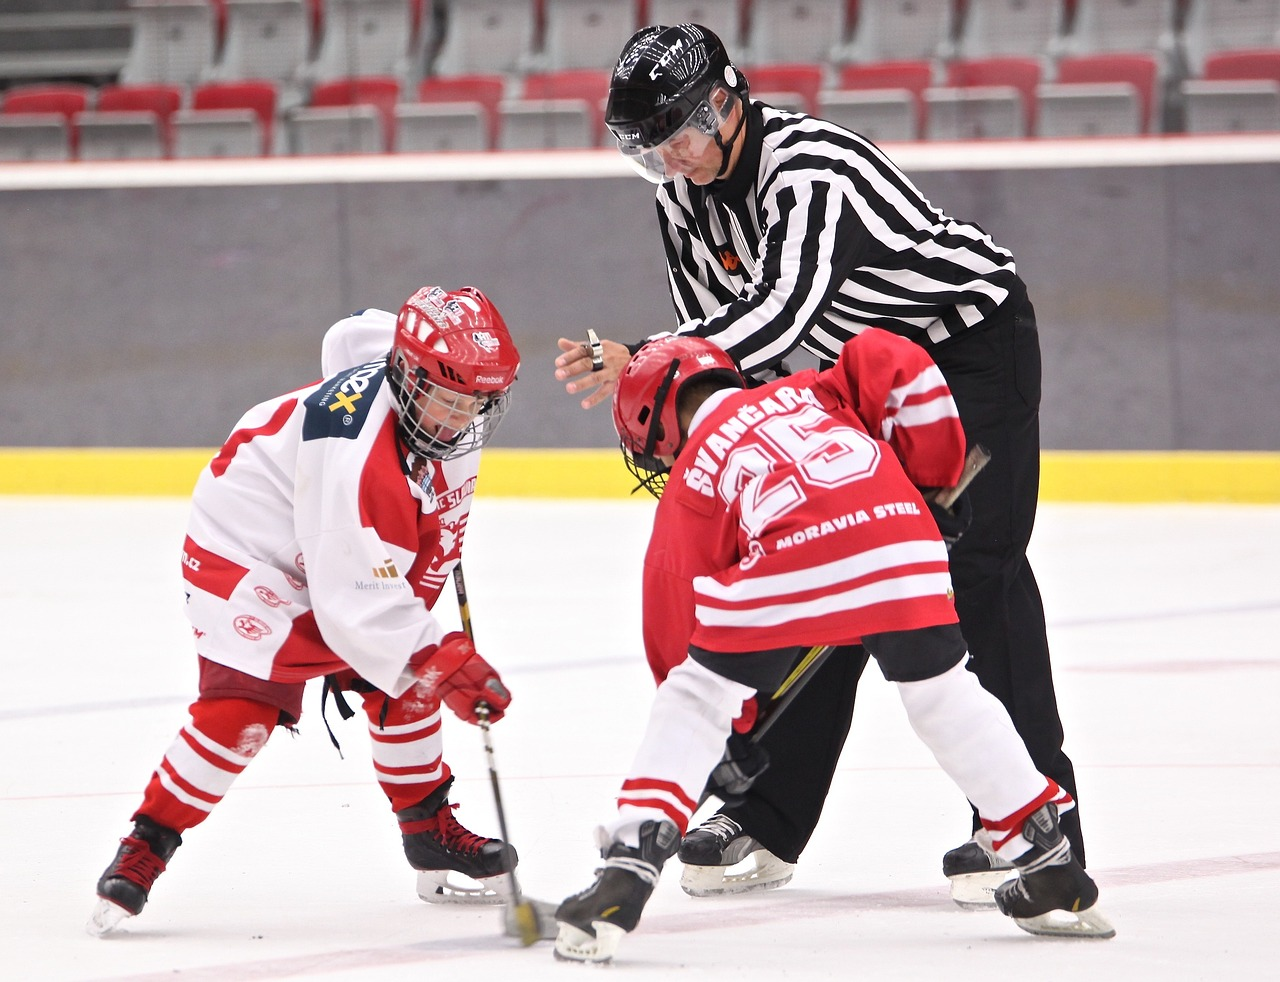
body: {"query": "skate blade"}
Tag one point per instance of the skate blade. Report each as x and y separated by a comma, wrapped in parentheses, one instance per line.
(576, 945)
(530, 921)
(1068, 924)
(106, 917)
(765, 872)
(977, 891)
(435, 886)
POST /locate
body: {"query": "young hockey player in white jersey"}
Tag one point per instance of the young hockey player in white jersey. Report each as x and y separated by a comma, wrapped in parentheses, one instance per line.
(320, 537)
(783, 523)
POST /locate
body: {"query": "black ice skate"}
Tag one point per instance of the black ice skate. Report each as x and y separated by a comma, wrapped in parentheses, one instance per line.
(711, 850)
(593, 922)
(125, 885)
(974, 872)
(436, 845)
(1053, 895)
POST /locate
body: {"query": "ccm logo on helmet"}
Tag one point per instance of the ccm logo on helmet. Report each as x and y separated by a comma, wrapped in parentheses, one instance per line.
(484, 339)
(666, 59)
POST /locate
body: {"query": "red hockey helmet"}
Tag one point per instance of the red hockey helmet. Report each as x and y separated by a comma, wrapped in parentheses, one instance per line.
(646, 400)
(451, 368)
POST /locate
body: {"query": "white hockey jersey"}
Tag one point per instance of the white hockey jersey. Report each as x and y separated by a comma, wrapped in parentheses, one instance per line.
(313, 544)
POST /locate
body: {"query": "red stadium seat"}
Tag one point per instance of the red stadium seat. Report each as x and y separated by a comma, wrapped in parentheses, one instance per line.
(380, 91)
(485, 90)
(1241, 65)
(1138, 70)
(63, 99)
(162, 100)
(1020, 73)
(801, 79)
(259, 96)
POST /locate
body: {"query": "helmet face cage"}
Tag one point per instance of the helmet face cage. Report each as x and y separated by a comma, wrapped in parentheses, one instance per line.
(650, 473)
(450, 372)
(439, 423)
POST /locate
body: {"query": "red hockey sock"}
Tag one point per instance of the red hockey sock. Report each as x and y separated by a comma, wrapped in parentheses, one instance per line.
(406, 746)
(207, 755)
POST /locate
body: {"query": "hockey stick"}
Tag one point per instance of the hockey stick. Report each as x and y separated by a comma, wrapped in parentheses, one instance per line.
(977, 458)
(807, 667)
(782, 697)
(974, 461)
(525, 917)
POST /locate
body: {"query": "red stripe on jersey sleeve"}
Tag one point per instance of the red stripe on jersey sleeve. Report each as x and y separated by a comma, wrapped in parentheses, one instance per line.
(218, 466)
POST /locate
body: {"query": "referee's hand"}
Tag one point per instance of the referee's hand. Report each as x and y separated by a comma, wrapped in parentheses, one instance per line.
(574, 367)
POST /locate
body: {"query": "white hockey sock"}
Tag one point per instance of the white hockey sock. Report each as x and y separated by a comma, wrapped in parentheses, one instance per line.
(692, 715)
(973, 739)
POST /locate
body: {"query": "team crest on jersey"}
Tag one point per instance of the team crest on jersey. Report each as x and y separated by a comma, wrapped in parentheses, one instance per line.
(270, 597)
(339, 407)
(250, 628)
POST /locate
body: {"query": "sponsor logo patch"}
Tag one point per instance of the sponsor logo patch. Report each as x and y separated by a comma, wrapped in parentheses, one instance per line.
(340, 405)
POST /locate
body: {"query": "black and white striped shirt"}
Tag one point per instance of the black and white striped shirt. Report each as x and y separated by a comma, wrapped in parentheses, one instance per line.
(815, 236)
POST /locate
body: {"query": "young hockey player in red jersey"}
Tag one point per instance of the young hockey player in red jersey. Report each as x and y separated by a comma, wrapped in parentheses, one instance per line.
(320, 537)
(784, 233)
(784, 523)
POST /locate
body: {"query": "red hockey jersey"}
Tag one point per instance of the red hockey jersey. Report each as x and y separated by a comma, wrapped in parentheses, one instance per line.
(792, 515)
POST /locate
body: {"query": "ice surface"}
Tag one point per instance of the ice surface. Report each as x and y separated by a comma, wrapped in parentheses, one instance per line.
(1164, 620)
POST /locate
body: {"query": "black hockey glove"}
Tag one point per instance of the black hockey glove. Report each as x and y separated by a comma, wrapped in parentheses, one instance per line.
(742, 763)
(953, 521)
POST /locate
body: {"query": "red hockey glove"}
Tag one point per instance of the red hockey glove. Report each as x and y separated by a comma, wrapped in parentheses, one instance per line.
(455, 673)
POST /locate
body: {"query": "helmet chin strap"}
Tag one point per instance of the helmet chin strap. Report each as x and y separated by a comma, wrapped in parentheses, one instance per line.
(726, 149)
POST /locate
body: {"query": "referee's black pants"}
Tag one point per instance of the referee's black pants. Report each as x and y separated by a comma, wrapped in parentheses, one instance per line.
(994, 374)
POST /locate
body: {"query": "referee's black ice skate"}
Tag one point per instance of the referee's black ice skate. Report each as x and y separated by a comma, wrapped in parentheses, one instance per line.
(593, 922)
(974, 871)
(125, 885)
(436, 845)
(711, 850)
(1052, 895)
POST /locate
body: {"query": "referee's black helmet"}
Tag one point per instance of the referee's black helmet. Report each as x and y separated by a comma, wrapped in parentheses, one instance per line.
(663, 77)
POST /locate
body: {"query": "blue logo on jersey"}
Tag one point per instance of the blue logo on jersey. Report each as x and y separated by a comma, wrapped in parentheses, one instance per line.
(339, 407)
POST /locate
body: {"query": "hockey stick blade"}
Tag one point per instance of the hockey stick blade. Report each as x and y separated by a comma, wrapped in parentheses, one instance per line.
(530, 921)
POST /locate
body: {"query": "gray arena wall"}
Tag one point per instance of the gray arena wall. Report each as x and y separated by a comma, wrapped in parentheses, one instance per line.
(149, 304)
